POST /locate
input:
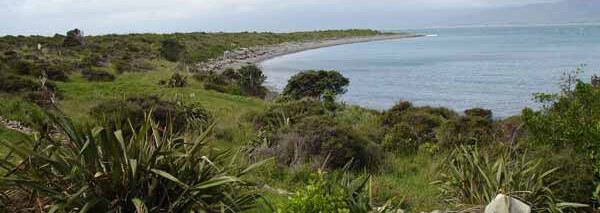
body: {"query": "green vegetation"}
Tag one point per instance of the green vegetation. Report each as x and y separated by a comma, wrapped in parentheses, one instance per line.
(101, 170)
(314, 84)
(135, 115)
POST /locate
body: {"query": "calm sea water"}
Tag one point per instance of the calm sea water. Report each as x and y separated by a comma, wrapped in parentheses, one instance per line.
(496, 68)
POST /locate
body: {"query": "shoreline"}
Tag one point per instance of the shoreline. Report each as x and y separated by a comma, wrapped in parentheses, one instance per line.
(244, 56)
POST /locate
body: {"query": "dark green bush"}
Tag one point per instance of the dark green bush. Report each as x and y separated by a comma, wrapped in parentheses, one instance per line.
(97, 75)
(285, 114)
(133, 109)
(10, 83)
(172, 49)
(231, 74)
(397, 114)
(479, 112)
(465, 130)
(251, 81)
(414, 129)
(322, 141)
(569, 120)
(215, 87)
(313, 84)
(74, 38)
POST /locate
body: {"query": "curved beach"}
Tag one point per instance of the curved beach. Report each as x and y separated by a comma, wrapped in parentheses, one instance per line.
(238, 58)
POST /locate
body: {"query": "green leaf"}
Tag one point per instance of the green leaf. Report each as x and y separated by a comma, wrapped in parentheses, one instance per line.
(169, 176)
(140, 207)
(254, 166)
(216, 182)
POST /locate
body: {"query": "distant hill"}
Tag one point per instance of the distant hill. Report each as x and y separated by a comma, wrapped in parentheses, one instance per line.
(563, 11)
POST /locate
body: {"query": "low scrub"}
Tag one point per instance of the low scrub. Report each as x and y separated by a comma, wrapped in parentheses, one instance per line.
(97, 75)
(102, 170)
(286, 113)
(133, 110)
(321, 141)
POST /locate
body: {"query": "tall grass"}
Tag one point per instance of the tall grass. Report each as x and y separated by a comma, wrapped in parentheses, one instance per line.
(101, 170)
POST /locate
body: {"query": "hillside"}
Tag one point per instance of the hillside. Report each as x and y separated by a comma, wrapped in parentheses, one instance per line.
(128, 123)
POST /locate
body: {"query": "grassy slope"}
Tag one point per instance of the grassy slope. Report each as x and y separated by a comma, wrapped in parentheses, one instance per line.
(407, 177)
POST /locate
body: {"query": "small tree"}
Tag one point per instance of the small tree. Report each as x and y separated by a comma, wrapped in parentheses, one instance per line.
(171, 49)
(313, 84)
(251, 79)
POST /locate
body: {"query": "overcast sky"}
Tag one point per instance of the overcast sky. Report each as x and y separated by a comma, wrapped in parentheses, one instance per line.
(46, 17)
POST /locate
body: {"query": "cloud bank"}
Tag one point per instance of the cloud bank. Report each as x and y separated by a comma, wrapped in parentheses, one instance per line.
(47, 17)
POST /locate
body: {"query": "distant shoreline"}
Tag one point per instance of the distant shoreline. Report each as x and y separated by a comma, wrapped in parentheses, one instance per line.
(255, 55)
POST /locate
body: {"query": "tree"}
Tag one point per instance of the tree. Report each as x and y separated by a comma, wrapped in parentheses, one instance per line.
(74, 38)
(171, 49)
(313, 84)
(251, 79)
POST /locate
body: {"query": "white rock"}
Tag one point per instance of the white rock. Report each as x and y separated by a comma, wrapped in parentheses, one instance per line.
(506, 204)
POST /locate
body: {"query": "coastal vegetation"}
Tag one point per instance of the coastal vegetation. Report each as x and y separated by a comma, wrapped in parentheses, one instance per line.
(125, 123)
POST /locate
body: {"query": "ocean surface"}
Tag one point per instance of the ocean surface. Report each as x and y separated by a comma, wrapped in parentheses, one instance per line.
(498, 68)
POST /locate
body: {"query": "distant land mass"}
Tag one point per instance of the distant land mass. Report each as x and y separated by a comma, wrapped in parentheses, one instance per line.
(569, 11)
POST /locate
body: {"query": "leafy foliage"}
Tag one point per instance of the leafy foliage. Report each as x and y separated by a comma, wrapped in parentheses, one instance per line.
(475, 178)
(313, 84)
(335, 193)
(569, 119)
(251, 79)
(171, 49)
(321, 140)
(101, 170)
(133, 110)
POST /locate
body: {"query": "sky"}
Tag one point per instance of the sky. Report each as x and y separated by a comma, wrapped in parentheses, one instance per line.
(95, 17)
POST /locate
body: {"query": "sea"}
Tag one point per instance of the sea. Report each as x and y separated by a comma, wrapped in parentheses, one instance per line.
(498, 68)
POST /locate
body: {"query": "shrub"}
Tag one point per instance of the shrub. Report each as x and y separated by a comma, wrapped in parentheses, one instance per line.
(569, 120)
(320, 139)
(101, 170)
(177, 80)
(133, 109)
(215, 87)
(12, 83)
(475, 178)
(231, 74)
(74, 38)
(285, 114)
(337, 193)
(399, 112)
(320, 195)
(479, 112)
(97, 75)
(251, 80)
(171, 49)
(465, 130)
(313, 84)
(54, 72)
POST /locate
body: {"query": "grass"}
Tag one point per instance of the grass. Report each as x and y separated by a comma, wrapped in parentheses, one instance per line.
(409, 177)
(6, 135)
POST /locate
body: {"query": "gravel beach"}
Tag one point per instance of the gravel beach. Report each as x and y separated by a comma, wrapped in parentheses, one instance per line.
(238, 58)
